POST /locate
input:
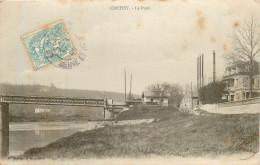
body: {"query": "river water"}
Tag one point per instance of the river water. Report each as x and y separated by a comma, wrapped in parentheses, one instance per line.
(23, 136)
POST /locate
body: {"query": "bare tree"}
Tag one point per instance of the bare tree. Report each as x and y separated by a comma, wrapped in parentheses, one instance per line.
(246, 47)
(172, 91)
(159, 90)
(176, 95)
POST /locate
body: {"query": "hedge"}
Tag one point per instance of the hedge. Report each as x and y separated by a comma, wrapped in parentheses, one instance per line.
(212, 93)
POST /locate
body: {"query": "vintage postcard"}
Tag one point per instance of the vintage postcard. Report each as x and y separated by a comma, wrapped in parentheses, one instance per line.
(129, 82)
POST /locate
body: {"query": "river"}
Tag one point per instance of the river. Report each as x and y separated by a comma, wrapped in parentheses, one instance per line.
(25, 135)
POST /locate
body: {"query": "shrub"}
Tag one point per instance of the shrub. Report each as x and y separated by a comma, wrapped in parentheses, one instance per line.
(212, 93)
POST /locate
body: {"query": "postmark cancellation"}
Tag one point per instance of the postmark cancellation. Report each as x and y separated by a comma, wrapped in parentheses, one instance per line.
(48, 44)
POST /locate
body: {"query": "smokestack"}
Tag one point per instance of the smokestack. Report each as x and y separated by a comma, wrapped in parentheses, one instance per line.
(198, 79)
(200, 70)
(125, 85)
(214, 66)
(202, 79)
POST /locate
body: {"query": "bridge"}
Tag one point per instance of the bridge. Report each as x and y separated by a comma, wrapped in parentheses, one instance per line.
(66, 101)
(5, 100)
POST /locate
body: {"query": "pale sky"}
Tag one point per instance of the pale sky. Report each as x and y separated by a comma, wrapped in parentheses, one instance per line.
(158, 45)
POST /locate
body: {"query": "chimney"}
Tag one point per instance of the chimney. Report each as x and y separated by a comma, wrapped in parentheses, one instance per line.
(198, 79)
(125, 85)
(200, 70)
(214, 67)
(202, 65)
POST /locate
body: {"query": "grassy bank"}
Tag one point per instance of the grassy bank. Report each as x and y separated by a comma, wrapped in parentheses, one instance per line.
(172, 133)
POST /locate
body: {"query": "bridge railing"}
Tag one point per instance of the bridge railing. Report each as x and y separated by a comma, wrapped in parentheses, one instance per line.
(52, 101)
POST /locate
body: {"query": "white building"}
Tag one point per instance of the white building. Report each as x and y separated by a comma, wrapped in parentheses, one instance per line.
(190, 100)
(41, 110)
(150, 99)
(44, 89)
(237, 85)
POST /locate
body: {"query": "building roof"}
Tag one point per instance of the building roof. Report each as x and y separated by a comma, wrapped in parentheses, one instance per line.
(240, 70)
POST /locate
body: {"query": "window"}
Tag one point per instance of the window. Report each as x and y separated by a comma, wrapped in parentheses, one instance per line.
(247, 95)
(246, 82)
(257, 82)
(231, 83)
(236, 83)
(232, 98)
(237, 96)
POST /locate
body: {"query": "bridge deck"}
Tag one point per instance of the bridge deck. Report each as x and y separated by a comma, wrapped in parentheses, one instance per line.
(66, 101)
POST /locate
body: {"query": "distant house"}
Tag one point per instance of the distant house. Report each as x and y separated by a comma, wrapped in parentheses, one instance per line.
(190, 100)
(41, 110)
(44, 89)
(134, 102)
(238, 85)
(150, 99)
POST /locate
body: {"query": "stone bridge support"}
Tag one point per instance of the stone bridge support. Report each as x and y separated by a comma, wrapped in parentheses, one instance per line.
(4, 130)
(108, 110)
(108, 114)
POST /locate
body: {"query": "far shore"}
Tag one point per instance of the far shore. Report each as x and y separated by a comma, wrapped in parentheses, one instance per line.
(54, 119)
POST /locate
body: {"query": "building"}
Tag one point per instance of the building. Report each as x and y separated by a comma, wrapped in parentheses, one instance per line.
(134, 102)
(190, 100)
(238, 85)
(150, 99)
(45, 89)
(41, 110)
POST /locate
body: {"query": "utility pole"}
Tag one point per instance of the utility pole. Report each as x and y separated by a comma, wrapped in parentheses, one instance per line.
(202, 68)
(191, 95)
(214, 66)
(198, 74)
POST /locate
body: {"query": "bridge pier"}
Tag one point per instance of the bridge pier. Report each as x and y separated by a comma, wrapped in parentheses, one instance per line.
(4, 130)
(108, 114)
(108, 110)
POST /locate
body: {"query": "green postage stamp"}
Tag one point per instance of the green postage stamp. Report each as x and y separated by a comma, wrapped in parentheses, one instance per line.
(48, 44)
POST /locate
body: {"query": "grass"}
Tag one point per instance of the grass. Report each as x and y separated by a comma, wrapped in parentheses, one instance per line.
(172, 133)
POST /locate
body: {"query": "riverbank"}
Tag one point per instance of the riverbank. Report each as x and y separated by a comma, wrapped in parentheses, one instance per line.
(172, 133)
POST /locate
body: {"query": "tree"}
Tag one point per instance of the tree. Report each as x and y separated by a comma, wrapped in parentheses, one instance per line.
(172, 91)
(212, 93)
(176, 95)
(53, 89)
(246, 48)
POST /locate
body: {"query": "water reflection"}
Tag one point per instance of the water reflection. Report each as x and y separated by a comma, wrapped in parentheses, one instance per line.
(22, 140)
(24, 136)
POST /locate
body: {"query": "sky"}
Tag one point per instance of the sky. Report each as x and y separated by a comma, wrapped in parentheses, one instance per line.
(156, 45)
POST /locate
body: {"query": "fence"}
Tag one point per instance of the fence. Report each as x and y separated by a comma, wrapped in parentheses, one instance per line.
(241, 102)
